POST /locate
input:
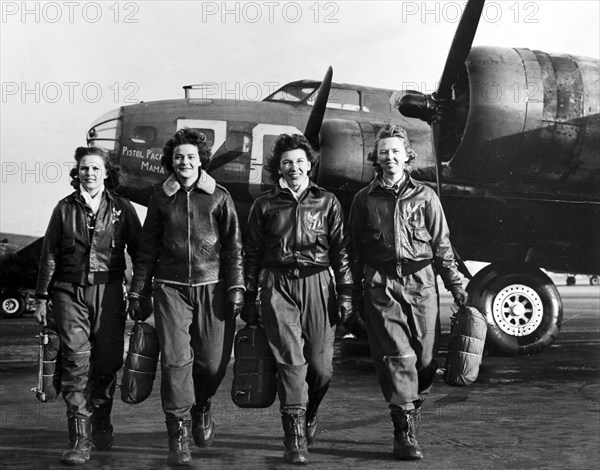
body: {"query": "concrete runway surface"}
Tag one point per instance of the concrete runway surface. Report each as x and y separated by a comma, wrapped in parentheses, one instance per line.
(529, 412)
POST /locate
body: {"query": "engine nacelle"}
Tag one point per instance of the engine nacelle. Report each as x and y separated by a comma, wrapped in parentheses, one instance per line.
(527, 119)
(345, 146)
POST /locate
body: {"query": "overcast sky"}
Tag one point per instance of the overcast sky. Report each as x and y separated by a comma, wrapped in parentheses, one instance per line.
(64, 64)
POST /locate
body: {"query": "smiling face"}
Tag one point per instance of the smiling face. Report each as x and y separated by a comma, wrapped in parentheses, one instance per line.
(391, 156)
(92, 173)
(186, 163)
(294, 167)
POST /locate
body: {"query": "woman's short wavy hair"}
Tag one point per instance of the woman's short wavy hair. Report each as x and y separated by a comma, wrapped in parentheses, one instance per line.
(186, 136)
(112, 172)
(285, 143)
(391, 130)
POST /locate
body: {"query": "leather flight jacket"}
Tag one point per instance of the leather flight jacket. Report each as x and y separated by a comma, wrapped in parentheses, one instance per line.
(190, 238)
(300, 237)
(76, 253)
(400, 232)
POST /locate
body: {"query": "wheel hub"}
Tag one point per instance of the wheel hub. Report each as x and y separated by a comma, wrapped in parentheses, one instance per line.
(10, 306)
(518, 310)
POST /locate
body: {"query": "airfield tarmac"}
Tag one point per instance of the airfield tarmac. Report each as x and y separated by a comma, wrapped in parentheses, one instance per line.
(529, 412)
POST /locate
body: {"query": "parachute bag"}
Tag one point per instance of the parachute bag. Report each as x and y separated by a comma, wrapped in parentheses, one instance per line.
(140, 364)
(49, 365)
(254, 370)
(465, 348)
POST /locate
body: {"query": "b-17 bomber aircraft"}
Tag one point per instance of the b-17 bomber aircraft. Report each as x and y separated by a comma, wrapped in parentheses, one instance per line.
(510, 138)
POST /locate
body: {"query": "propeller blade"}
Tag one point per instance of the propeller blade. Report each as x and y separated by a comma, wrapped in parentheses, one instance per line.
(461, 46)
(313, 125)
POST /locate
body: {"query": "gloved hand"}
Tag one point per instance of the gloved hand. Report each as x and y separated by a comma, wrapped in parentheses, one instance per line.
(344, 303)
(146, 308)
(235, 302)
(460, 295)
(250, 312)
(139, 308)
(41, 310)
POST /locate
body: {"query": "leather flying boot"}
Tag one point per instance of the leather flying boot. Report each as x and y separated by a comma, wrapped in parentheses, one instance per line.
(311, 424)
(102, 430)
(406, 446)
(203, 427)
(294, 427)
(418, 408)
(179, 446)
(78, 450)
(312, 416)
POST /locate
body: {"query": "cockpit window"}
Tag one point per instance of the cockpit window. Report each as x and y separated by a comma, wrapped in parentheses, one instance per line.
(291, 92)
(340, 98)
(307, 92)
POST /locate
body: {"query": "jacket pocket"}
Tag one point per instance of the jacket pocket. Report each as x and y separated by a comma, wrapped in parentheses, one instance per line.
(210, 250)
(372, 235)
(422, 243)
(68, 258)
(422, 235)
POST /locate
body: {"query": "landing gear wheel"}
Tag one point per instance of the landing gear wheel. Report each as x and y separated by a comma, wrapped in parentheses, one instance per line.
(522, 307)
(12, 305)
(571, 280)
(594, 281)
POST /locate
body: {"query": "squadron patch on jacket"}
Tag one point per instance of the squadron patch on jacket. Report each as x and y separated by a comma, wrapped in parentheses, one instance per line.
(313, 221)
(415, 213)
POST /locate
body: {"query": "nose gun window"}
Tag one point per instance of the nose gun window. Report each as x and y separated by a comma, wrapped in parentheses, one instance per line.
(105, 131)
(143, 135)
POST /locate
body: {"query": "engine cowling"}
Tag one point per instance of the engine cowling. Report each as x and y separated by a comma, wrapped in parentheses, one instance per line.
(345, 146)
(527, 119)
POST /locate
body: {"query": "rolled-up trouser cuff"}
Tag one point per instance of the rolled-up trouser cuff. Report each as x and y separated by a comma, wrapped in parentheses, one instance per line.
(177, 390)
(398, 380)
(291, 386)
(77, 404)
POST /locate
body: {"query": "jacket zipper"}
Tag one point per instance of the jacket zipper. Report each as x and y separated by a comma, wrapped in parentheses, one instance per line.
(189, 228)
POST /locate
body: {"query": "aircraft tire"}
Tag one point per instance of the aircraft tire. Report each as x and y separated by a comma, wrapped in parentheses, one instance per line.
(522, 307)
(594, 281)
(12, 305)
(571, 280)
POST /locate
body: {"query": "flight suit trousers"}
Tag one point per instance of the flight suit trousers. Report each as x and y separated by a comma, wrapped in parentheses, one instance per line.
(90, 322)
(295, 313)
(403, 325)
(195, 335)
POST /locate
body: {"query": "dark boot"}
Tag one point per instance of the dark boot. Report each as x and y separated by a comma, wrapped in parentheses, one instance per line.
(311, 424)
(311, 417)
(294, 427)
(179, 446)
(203, 427)
(78, 450)
(406, 446)
(418, 408)
(102, 430)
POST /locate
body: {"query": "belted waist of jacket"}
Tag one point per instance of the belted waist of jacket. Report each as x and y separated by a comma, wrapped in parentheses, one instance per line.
(394, 230)
(296, 235)
(190, 237)
(75, 253)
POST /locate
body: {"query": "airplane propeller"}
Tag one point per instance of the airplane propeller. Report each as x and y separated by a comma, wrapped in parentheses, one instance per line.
(439, 105)
(440, 109)
(313, 125)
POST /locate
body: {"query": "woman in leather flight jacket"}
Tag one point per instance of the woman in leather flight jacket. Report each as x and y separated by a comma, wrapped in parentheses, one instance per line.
(399, 234)
(295, 239)
(82, 268)
(191, 245)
